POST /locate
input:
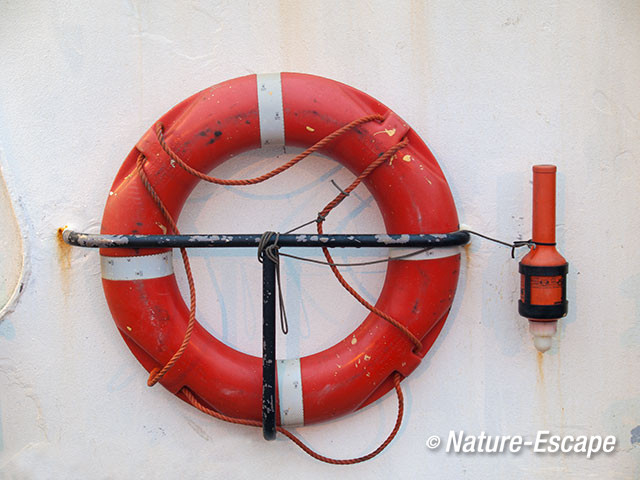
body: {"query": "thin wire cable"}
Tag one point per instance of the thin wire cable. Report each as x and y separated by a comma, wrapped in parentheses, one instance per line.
(322, 215)
(356, 264)
(512, 246)
(486, 237)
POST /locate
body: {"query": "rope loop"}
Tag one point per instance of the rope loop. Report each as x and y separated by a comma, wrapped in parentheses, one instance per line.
(271, 251)
(268, 248)
(397, 378)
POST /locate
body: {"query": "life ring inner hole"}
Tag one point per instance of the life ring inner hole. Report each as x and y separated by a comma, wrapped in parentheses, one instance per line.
(229, 281)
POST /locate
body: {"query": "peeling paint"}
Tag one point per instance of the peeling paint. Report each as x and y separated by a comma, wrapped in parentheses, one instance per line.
(387, 240)
(389, 131)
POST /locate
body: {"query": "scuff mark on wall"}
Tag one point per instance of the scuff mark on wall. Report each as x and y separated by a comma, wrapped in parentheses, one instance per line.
(14, 378)
(198, 429)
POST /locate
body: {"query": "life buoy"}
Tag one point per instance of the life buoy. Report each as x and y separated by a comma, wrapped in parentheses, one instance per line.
(247, 113)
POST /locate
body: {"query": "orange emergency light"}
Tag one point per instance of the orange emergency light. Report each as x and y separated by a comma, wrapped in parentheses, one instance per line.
(543, 283)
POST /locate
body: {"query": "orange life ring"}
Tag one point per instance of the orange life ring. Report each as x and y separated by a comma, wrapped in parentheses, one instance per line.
(247, 113)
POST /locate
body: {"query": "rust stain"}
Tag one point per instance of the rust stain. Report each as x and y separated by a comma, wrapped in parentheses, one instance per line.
(420, 44)
(542, 403)
(64, 259)
(540, 360)
(467, 254)
(64, 250)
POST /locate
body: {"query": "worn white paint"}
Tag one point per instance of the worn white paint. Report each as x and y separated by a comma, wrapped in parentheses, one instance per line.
(493, 87)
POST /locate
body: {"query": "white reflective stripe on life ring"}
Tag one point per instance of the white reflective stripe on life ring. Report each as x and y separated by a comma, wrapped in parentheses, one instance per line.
(441, 252)
(290, 399)
(270, 110)
(140, 267)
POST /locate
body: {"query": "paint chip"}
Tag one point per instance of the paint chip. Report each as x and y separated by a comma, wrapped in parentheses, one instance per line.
(407, 158)
(311, 129)
(389, 131)
(129, 328)
(354, 340)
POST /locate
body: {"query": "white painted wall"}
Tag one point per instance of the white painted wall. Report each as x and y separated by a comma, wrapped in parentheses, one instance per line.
(493, 88)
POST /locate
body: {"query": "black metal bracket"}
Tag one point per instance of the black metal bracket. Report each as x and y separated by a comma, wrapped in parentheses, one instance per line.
(421, 240)
(417, 240)
(268, 348)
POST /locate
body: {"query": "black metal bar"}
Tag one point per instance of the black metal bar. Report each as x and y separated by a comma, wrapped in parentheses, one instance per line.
(420, 240)
(268, 348)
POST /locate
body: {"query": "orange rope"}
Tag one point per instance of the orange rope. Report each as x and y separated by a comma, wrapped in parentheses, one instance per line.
(252, 181)
(323, 215)
(157, 373)
(350, 461)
